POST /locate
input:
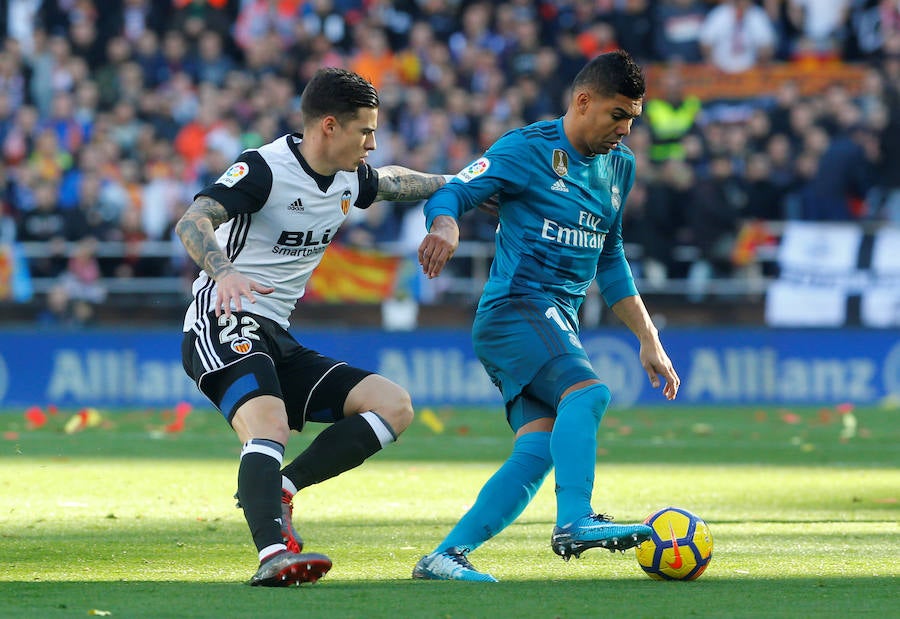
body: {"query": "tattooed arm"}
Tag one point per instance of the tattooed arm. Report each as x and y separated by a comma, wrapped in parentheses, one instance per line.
(197, 231)
(400, 184)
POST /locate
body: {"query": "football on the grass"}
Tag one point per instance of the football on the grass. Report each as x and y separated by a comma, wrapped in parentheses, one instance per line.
(679, 549)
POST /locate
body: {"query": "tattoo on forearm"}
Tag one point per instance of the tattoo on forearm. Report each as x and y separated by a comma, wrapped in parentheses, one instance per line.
(196, 229)
(402, 184)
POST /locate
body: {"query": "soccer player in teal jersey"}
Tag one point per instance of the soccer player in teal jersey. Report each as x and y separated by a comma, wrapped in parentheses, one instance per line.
(561, 187)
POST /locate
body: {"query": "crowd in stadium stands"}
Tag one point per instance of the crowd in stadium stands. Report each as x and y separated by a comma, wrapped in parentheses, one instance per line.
(114, 113)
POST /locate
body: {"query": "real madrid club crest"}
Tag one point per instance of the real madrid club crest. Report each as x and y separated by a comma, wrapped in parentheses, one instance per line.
(345, 202)
(615, 197)
(560, 161)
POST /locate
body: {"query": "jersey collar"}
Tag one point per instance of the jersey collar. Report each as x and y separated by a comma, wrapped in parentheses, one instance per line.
(323, 182)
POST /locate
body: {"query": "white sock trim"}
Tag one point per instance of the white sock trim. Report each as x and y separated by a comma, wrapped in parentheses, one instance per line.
(382, 430)
(288, 485)
(251, 447)
(271, 549)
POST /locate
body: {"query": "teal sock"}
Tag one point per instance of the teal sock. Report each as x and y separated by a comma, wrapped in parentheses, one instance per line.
(505, 495)
(573, 444)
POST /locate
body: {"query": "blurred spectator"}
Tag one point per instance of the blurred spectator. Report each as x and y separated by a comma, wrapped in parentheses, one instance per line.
(670, 115)
(212, 64)
(12, 80)
(175, 58)
(672, 197)
(864, 30)
(715, 214)
(737, 35)
(520, 57)
(649, 221)
(195, 18)
(74, 298)
(107, 77)
(678, 27)
(326, 19)
(781, 168)
(374, 59)
(475, 32)
(256, 19)
(50, 224)
(787, 97)
(149, 58)
(52, 70)
(49, 160)
(20, 17)
(843, 178)
(890, 24)
(633, 26)
(163, 195)
(889, 172)
(125, 126)
(100, 206)
(87, 43)
(821, 25)
(763, 195)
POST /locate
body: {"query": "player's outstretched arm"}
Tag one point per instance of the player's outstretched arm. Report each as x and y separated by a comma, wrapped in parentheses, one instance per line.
(399, 184)
(196, 229)
(656, 362)
(439, 245)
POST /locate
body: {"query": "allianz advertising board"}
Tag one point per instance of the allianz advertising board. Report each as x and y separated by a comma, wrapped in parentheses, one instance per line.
(438, 367)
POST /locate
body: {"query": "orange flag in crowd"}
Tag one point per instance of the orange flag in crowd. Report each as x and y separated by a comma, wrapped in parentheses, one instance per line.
(353, 275)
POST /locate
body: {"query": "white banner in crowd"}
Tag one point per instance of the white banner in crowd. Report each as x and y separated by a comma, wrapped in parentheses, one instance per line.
(790, 304)
(819, 248)
(822, 269)
(880, 306)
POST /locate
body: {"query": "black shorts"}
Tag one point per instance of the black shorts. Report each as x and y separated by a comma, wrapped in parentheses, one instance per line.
(235, 359)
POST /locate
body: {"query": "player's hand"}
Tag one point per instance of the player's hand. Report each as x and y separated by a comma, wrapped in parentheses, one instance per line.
(231, 287)
(439, 245)
(657, 364)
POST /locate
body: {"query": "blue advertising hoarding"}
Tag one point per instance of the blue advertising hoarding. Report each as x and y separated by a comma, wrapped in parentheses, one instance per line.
(112, 368)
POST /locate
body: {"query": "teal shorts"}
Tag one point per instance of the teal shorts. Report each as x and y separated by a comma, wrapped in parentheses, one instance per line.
(531, 353)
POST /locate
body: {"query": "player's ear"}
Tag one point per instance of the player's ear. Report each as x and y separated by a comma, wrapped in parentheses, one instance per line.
(582, 101)
(329, 125)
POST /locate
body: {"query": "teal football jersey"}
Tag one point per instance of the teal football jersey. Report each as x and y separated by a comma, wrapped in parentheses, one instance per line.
(560, 216)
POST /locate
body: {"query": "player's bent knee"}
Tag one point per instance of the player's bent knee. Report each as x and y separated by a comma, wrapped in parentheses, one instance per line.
(382, 396)
(399, 413)
(262, 417)
(595, 395)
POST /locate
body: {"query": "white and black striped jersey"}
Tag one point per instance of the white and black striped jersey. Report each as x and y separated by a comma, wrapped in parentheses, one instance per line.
(283, 216)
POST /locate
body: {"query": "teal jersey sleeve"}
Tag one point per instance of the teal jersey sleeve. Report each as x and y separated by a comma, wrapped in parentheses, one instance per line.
(560, 216)
(495, 172)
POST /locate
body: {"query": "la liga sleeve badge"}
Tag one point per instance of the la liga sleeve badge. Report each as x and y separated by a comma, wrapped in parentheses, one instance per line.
(232, 175)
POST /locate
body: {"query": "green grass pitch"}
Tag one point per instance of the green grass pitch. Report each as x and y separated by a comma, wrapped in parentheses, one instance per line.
(127, 521)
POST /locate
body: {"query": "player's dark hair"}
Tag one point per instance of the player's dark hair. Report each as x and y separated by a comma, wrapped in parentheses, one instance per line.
(337, 92)
(611, 74)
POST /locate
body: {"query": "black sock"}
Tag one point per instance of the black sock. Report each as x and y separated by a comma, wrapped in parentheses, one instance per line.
(340, 447)
(259, 491)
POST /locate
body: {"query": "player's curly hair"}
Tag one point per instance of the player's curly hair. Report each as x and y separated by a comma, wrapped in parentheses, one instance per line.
(337, 92)
(611, 74)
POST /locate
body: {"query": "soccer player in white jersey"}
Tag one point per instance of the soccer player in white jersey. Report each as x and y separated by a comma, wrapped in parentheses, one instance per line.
(258, 233)
(562, 186)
